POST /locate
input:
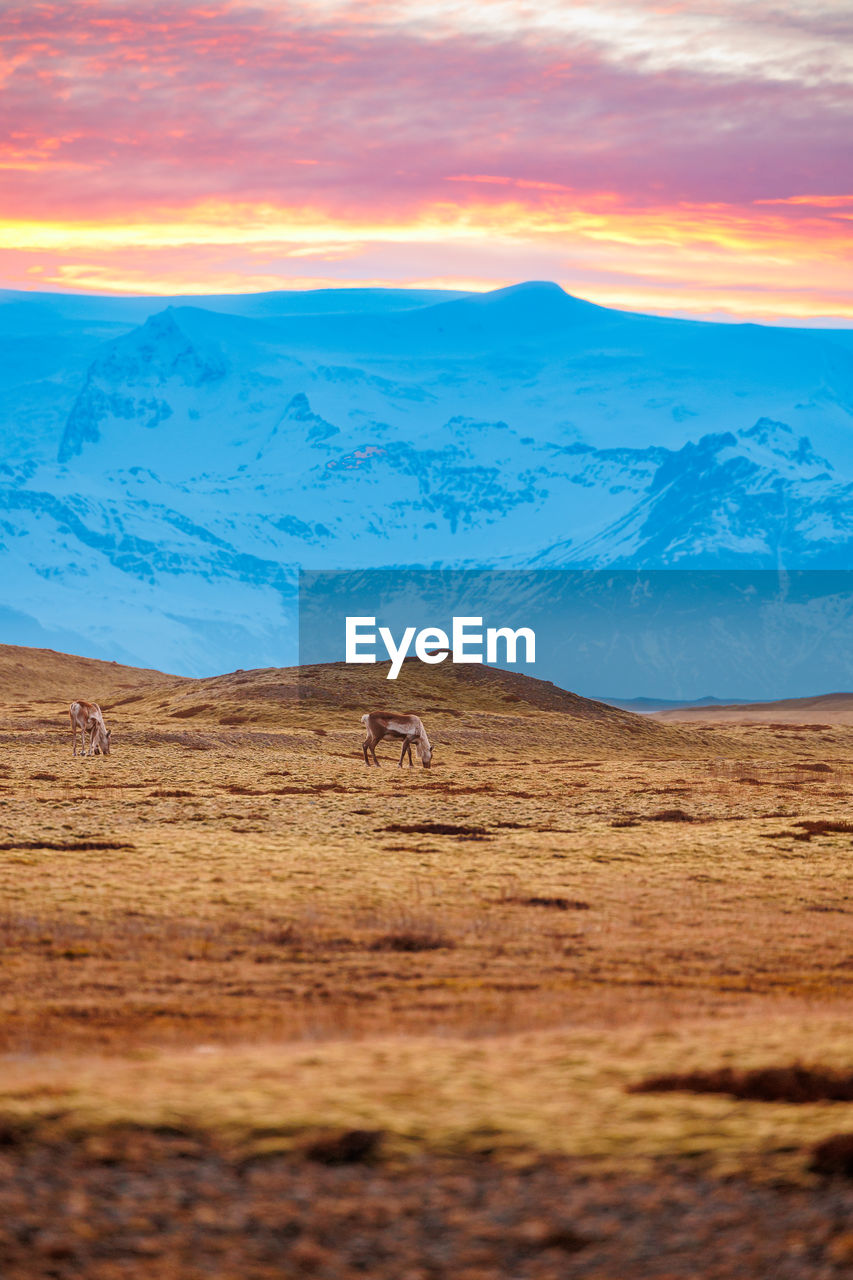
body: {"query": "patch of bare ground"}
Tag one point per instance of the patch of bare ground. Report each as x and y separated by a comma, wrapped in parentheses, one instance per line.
(72, 845)
(556, 903)
(808, 828)
(794, 1084)
(438, 829)
(833, 1158)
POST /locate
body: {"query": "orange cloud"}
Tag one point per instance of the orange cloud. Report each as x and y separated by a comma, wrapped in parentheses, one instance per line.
(687, 258)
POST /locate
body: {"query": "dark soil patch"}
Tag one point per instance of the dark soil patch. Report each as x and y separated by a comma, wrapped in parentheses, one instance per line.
(412, 940)
(795, 1084)
(65, 846)
(353, 1146)
(834, 1156)
(308, 791)
(236, 789)
(461, 789)
(822, 827)
(670, 815)
(558, 904)
(810, 827)
(438, 829)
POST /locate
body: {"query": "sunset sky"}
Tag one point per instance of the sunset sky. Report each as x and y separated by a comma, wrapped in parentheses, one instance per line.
(674, 157)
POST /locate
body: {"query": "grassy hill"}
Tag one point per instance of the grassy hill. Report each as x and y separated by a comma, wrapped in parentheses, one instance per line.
(40, 677)
(477, 708)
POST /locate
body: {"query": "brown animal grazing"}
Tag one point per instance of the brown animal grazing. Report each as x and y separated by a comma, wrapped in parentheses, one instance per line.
(395, 724)
(88, 718)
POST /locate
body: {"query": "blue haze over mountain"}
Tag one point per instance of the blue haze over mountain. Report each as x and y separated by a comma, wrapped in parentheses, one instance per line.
(168, 464)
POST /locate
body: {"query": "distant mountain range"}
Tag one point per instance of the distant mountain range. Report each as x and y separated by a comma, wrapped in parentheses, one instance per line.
(827, 709)
(168, 464)
(650, 706)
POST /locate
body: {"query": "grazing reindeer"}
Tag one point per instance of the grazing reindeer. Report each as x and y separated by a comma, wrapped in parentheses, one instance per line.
(88, 718)
(393, 724)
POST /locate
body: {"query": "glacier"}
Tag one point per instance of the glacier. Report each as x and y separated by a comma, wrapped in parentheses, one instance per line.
(168, 464)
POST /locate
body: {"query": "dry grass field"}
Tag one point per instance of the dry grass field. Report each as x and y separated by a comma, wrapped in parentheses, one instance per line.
(573, 1002)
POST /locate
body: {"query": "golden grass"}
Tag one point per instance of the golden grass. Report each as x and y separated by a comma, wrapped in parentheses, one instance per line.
(561, 1091)
(243, 929)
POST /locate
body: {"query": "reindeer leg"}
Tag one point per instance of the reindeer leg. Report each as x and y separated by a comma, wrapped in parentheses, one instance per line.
(364, 749)
(73, 736)
(373, 753)
(409, 749)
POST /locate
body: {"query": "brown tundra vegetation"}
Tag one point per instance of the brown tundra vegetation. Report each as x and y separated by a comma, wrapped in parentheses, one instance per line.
(573, 1003)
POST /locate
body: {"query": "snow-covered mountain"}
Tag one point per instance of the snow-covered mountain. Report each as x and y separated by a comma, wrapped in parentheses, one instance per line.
(167, 467)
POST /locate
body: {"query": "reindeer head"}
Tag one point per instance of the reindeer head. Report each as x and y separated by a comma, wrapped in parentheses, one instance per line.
(101, 740)
(426, 755)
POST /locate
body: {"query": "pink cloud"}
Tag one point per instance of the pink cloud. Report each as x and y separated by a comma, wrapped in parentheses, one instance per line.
(158, 104)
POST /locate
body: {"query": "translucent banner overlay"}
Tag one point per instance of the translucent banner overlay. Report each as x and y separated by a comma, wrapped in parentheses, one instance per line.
(622, 634)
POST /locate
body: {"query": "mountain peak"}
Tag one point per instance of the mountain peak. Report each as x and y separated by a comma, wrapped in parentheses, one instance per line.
(534, 293)
(501, 317)
(540, 287)
(131, 380)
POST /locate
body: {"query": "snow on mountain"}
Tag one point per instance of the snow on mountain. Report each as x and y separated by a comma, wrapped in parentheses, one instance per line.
(163, 475)
(755, 498)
